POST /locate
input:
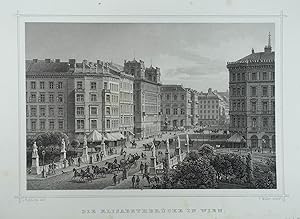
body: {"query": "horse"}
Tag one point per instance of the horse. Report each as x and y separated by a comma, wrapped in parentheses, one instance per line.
(100, 171)
(113, 166)
(149, 179)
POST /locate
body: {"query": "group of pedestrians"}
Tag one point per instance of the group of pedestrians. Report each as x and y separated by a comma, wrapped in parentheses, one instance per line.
(144, 168)
(135, 180)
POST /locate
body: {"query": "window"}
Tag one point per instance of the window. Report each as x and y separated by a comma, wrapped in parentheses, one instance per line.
(265, 122)
(80, 98)
(33, 85)
(33, 111)
(42, 111)
(60, 98)
(80, 111)
(265, 76)
(243, 91)
(33, 98)
(33, 125)
(42, 125)
(273, 76)
(238, 77)
(59, 85)
(182, 111)
(253, 91)
(51, 98)
(253, 106)
(243, 76)
(233, 91)
(42, 97)
(175, 111)
(93, 124)
(264, 91)
(42, 85)
(93, 85)
(168, 96)
(51, 85)
(105, 85)
(272, 90)
(233, 77)
(265, 106)
(80, 124)
(168, 111)
(93, 97)
(51, 111)
(60, 124)
(51, 125)
(79, 85)
(60, 111)
(253, 122)
(108, 123)
(107, 110)
(273, 106)
(93, 110)
(175, 97)
(182, 97)
(254, 76)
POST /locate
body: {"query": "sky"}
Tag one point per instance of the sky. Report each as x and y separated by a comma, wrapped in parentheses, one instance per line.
(194, 55)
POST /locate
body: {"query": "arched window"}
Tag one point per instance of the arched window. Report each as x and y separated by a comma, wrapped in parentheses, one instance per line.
(254, 141)
(265, 141)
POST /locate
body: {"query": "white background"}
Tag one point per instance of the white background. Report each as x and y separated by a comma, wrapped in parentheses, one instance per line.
(71, 208)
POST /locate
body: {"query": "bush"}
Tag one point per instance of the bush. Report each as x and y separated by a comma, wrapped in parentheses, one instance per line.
(194, 174)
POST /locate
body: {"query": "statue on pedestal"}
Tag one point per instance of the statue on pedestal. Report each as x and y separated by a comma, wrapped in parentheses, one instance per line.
(35, 166)
(153, 150)
(178, 140)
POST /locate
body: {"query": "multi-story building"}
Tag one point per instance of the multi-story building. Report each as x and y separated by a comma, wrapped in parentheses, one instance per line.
(209, 108)
(146, 98)
(76, 98)
(223, 107)
(252, 97)
(176, 107)
(194, 107)
(48, 100)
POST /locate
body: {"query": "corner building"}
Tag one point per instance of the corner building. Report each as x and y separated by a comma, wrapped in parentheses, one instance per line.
(252, 97)
(146, 98)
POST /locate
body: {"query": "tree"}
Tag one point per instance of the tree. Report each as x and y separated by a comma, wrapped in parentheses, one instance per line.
(51, 139)
(194, 174)
(75, 144)
(206, 151)
(193, 155)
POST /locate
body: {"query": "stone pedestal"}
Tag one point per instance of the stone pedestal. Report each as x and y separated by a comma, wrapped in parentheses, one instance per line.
(35, 166)
(152, 168)
(178, 154)
(168, 158)
(63, 155)
(103, 148)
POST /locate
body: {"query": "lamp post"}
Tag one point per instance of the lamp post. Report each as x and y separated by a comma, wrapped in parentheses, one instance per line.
(44, 153)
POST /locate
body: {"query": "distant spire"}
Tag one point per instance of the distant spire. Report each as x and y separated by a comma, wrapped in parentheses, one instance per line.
(269, 40)
(151, 62)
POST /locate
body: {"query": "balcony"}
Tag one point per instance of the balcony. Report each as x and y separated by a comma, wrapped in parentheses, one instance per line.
(79, 90)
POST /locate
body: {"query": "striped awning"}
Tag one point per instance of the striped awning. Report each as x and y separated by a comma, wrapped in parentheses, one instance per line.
(117, 135)
(110, 137)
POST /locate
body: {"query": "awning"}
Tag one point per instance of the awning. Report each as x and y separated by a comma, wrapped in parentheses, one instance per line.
(236, 138)
(110, 137)
(117, 135)
(95, 136)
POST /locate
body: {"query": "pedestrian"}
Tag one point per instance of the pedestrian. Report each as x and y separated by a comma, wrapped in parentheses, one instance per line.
(137, 182)
(79, 160)
(97, 156)
(115, 179)
(115, 161)
(141, 167)
(133, 181)
(101, 155)
(146, 168)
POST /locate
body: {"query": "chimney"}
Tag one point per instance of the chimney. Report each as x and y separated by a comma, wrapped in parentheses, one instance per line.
(72, 63)
(252, 50)
(57, 60)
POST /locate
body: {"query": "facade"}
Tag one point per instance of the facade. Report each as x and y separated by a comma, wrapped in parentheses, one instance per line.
(77, 98)
(252, 97)
(209, 108)
(176, 107)
(146, 98)
(223, 107)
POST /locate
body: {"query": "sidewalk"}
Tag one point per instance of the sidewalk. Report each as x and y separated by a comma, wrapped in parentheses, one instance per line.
(69, 169)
